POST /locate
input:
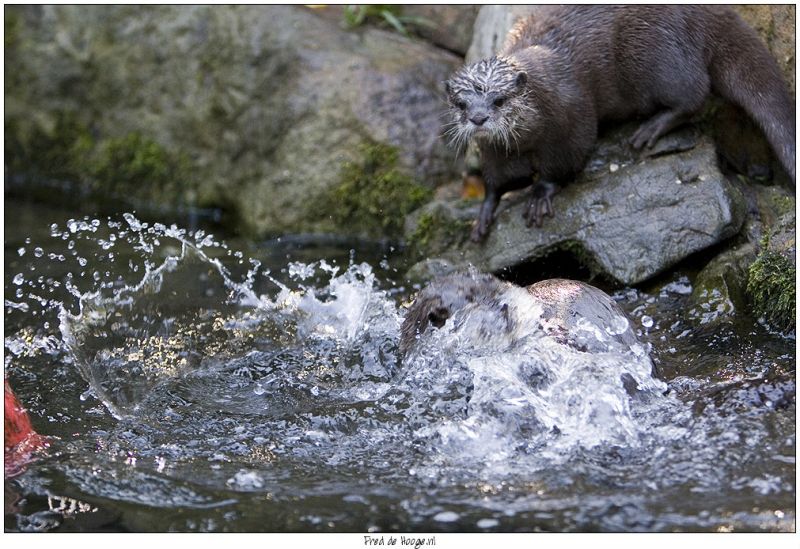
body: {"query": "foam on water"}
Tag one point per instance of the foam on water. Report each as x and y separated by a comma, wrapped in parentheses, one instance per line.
(526, 392)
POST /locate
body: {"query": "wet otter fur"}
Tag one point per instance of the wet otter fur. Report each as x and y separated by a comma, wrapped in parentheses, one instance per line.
(535, 107)
(563, 303)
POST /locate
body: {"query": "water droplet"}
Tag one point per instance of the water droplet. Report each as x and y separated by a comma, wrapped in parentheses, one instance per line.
(19, 279)
(132, 222)
(38, 252)
(647, 321)
(21, 252)
(259, 389)
(488, 523)
(446, 516)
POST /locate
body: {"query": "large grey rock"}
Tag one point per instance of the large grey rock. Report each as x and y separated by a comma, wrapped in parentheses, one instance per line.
(630, 218)
(450, 25)
(491, 27)
(266, 103)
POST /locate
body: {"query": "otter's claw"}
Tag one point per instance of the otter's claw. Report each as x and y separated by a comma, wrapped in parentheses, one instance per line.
(540, 203)
(479, 232)
(485, 218)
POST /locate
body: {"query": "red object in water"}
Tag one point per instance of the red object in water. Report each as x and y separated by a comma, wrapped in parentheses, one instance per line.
(21, 441)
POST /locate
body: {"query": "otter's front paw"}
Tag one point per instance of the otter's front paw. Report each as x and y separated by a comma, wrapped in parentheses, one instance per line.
(485, 218)
(479, 231)
(540, 203)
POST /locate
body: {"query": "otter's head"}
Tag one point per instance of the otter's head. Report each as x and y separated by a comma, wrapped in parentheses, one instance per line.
(446, 296)
(485, 98)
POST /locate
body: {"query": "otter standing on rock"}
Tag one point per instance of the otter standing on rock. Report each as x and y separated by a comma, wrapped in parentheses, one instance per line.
(535, 107)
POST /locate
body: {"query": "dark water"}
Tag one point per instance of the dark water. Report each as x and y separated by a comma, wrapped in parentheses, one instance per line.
(192, 385)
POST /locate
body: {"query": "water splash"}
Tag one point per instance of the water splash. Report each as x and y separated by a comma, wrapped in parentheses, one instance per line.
(226, 378)
(525, 393)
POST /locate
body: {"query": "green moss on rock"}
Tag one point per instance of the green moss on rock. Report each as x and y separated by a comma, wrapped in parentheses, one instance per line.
(771, 286)
(135, 164)
(719, 288)
(436, 231)
(373, 195)
(60, 147)
(11, 28)
(782, 204)
(51, 146)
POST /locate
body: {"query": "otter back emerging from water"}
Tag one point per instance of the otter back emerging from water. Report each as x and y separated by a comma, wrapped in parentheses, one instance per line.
(535, 107)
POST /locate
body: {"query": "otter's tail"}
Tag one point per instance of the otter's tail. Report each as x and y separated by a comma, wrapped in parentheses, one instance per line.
(744, 72)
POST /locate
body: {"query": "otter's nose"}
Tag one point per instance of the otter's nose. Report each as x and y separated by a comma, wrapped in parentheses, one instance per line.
(479, 118)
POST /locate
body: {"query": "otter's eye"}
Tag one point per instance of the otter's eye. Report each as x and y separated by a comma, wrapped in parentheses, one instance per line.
(461, 104)
(499, 102)
(438, 316)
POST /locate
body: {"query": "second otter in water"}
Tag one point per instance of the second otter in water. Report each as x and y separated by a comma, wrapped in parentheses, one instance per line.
(558, 308)
(535, 107)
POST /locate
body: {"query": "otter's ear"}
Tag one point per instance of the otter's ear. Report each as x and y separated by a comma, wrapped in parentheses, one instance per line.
(521, 80)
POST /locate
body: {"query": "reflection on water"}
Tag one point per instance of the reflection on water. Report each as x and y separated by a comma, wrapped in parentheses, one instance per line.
(256, 392)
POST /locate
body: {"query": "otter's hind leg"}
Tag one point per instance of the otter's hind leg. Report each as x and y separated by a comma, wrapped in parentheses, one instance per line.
(649, 132)
(678, 82)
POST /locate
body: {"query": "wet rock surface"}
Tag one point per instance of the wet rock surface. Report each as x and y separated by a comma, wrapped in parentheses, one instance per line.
(628, 217)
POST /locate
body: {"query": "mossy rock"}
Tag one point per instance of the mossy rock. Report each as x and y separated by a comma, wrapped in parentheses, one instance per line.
(11, 28)
(50, 146)
(60, 147)
(249, 109)
(373, 195)
(136, 165)
(435, 228)
(719, 289)
(772, 277)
